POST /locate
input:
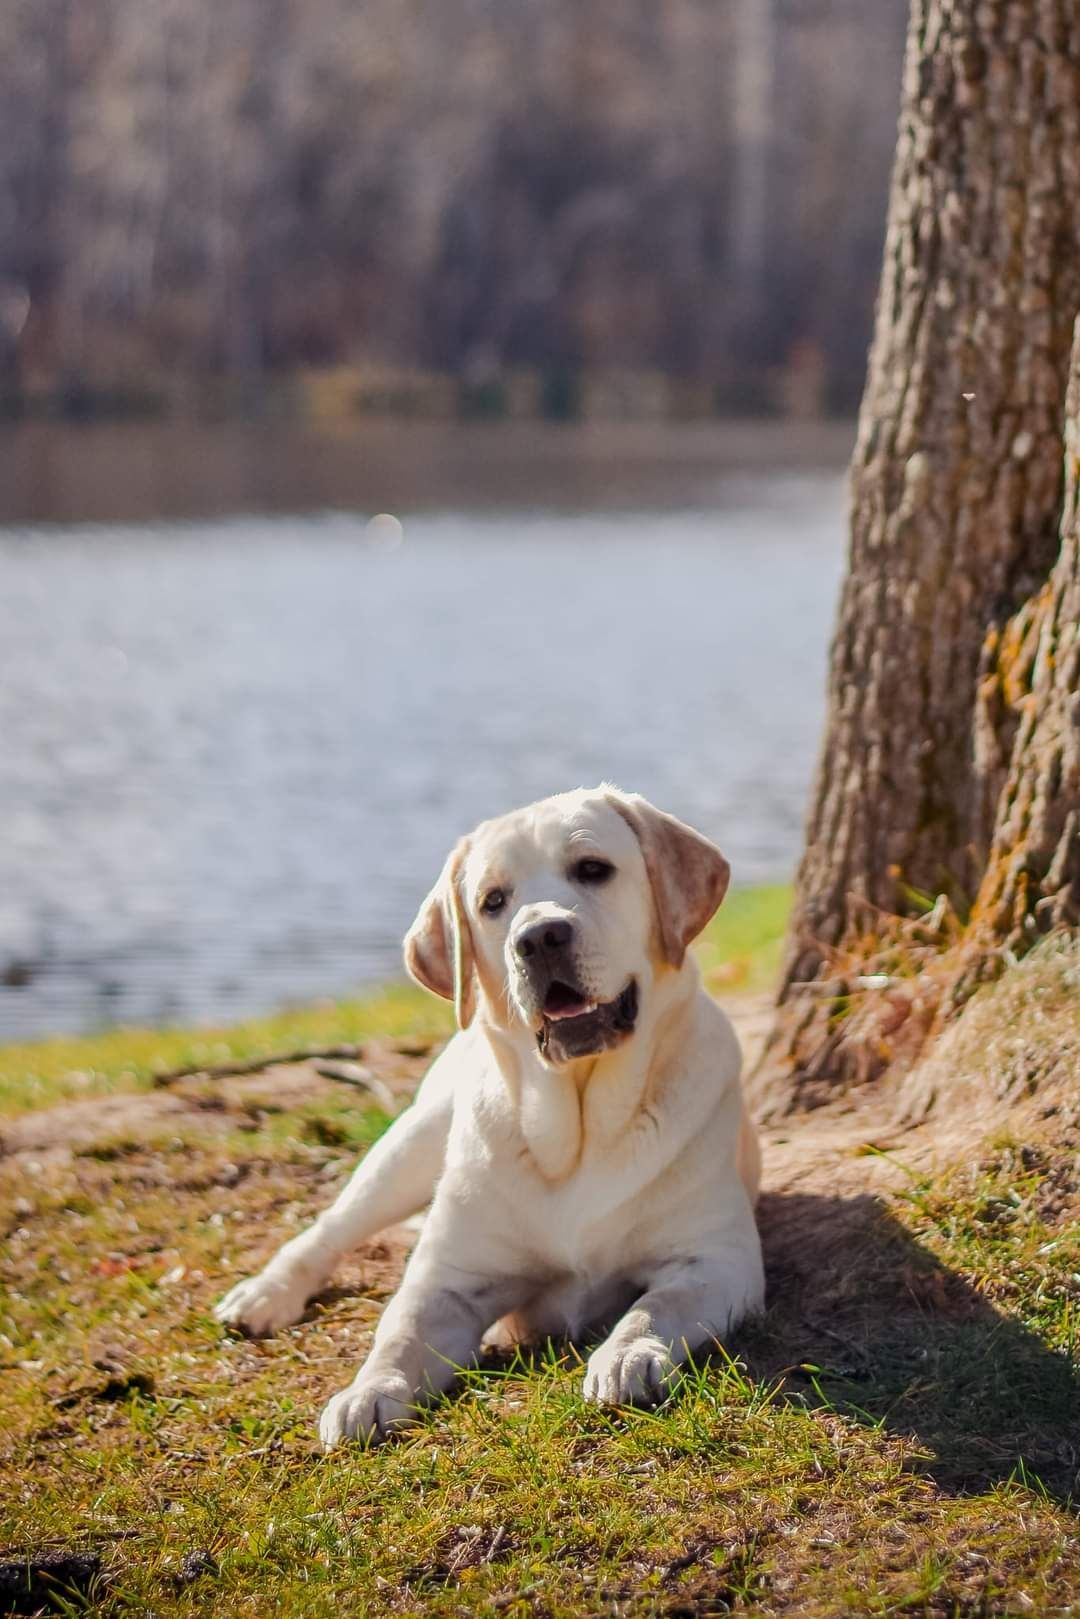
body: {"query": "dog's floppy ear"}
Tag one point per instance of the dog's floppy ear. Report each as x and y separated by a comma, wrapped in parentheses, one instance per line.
(438, 946)
(687, 873)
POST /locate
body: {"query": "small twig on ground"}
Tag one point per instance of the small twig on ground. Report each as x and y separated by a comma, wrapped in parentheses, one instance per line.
(351, 1073)
(496, 1542)
(252, 1065)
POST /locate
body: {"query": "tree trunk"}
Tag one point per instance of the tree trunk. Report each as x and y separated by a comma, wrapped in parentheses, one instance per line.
(1032, 879)
(956, 489)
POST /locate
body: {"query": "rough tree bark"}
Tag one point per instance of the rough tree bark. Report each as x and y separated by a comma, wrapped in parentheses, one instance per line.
(1032, 878)
(956, 488)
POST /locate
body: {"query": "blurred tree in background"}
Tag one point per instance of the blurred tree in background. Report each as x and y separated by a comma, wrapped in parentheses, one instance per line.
(473, 187)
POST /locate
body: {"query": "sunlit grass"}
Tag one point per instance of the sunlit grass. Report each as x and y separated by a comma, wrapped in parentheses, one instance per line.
(892, 1460)
(41, 1072)
(740, 949)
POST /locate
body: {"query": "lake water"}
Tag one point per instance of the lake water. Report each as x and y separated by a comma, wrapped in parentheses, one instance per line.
(234, 750)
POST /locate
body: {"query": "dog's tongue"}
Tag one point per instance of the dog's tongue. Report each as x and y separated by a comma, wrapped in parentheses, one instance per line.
(562, 1001)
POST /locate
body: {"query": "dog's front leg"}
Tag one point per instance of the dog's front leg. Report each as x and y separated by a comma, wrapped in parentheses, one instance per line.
(687, 1304)
(395, 1179)
(431, 1328)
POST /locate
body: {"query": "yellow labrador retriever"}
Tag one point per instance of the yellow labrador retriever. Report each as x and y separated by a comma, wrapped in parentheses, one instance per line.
(582, 1140)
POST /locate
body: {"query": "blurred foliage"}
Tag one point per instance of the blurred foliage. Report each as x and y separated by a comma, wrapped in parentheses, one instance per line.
(554, 188)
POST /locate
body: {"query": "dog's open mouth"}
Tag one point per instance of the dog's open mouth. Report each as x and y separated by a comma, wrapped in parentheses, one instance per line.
(573, 1026)
(562, 1001)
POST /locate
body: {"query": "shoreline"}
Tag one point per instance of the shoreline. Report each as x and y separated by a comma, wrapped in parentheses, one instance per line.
(739, 953)
(112, 472)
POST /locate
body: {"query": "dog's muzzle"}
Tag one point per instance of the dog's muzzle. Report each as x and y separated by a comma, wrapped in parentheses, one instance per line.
(571, 1023)
(571, 1027)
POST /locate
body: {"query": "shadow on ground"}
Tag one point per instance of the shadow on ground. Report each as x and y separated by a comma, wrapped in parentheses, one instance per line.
(902, 1340)
(864, 1319)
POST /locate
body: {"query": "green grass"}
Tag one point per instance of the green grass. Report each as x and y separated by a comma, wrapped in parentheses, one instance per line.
(898, 1434)
(41, 1072)
(739, 950)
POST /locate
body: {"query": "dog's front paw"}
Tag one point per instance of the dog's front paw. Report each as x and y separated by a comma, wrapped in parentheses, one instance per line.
(263, 1304)
(370, 1409)
(634, 1373)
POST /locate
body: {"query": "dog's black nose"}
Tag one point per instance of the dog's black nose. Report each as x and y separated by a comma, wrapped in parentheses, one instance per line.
(547, 937)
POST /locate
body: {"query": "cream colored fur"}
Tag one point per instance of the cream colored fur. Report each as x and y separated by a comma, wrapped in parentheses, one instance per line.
(617, 1187)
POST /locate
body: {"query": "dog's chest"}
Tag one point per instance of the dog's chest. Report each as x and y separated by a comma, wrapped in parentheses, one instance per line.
(576, 1188)
(569, 1133)
(593, 1224)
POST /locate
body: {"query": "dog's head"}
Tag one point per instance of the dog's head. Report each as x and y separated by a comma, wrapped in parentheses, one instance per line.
(560, 917)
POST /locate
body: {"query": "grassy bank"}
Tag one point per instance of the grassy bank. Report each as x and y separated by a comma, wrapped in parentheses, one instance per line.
(739, 950)
(898, 1435)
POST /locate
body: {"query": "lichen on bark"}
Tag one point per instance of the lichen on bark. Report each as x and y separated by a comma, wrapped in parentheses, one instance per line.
(1032, 878)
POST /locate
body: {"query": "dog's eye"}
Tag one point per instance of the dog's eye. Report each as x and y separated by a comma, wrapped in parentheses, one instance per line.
(592, 871)
(493, 902)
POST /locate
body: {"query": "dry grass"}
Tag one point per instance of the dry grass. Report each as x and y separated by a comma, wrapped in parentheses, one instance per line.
(900, 1006)
(1016, 1041)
